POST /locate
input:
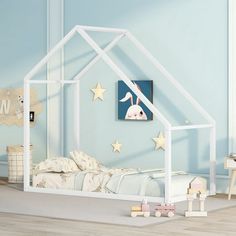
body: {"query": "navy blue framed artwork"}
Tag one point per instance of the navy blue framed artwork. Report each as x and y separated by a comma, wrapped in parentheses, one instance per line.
(129, 106)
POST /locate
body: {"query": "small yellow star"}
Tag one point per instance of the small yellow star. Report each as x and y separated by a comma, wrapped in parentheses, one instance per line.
(159, 141)
(98, 92)
(116, 146)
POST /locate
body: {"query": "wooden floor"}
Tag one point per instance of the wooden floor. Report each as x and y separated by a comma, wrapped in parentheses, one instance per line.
(3, 181)
(222, 222)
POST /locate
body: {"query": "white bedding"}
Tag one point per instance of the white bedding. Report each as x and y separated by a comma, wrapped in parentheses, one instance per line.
(54, 180)
(117, 181)
(87, 180)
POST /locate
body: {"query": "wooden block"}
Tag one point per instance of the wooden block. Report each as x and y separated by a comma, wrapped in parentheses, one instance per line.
(136, 208)
(202, 196)
(195, 213)
(196, 191)
(191, 197)
(145, 207)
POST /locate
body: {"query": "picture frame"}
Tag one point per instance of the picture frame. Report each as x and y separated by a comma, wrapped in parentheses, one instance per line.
(130, 107)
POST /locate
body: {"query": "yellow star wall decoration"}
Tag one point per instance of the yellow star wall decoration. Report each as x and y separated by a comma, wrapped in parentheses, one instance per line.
(116, 146)
(159, 141)
(98, 92)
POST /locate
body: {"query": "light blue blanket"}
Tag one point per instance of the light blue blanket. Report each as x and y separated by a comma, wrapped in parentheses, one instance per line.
(143, 184)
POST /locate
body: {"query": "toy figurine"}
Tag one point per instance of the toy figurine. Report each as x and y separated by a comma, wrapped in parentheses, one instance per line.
(196, 190)
(165, 209)
(142, 210)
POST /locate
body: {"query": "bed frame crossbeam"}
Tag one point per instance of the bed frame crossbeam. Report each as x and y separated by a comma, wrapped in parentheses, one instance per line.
(52, 81)
(102, 54)
(123, 76)
(58, 46)
(98, 57)
(101, 29)
(184, 127)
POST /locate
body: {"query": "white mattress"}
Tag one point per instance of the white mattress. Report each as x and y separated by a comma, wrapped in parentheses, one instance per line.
(134, 184)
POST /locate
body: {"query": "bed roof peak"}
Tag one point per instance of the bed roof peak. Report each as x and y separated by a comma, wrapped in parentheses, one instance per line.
(102, 54)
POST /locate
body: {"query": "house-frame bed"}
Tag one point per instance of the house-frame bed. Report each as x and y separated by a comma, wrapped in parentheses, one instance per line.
(169, 129)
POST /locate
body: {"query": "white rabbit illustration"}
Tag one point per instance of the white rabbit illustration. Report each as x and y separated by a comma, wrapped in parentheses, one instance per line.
(134, 112)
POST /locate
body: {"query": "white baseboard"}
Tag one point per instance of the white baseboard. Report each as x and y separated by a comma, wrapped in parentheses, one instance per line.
(3, 168)
(222, 184)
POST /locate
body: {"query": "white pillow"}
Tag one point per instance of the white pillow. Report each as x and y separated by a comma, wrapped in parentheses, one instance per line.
(56, 164)
(84, 161)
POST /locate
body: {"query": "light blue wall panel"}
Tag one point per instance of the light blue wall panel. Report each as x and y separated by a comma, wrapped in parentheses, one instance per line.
(189, 37)
(23, 43)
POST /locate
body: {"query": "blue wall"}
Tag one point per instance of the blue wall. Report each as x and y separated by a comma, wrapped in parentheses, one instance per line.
(189, 38)
(22, 44)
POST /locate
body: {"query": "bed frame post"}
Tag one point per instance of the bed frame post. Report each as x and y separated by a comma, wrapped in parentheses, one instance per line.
(77, 114)
(168, 170)
(213, 160)
(26, 135)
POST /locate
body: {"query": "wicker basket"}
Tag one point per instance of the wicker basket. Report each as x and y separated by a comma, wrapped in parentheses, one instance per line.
(16, 163)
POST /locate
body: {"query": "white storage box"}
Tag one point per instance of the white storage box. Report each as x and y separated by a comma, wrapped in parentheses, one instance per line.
(16, 163)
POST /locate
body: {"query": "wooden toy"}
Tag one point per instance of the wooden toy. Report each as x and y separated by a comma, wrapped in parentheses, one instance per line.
(196, 186)
(165, 209)
(201, 211)
(196, 190)
(142, 210)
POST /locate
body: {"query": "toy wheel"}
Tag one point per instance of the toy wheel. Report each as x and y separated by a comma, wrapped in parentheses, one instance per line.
(170, 214)
(146, 214)
(133, 214)
(157, 213)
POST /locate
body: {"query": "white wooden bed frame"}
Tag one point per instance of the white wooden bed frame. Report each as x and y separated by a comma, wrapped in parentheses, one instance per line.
(102, 54)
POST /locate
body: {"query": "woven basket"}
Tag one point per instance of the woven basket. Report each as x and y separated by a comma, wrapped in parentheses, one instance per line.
(16, 163)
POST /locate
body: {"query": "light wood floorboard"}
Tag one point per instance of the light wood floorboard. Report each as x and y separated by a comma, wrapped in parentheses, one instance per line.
(222, 222)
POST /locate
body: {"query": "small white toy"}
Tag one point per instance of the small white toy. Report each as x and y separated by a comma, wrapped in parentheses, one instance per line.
(201, 211)
(142, 210)
(196, 186)
(196, 190)
(165, 209)
(134, 112)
